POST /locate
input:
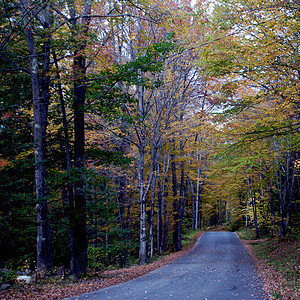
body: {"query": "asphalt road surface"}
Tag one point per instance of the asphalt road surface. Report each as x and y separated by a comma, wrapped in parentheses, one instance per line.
(218, 268)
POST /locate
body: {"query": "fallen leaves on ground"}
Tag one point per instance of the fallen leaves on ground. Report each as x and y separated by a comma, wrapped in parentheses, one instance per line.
(274, 282)
(105, 279)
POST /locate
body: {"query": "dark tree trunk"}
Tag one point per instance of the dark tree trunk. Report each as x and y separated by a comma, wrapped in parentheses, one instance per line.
(200, 206)
(79, 212)
(67, 162)
(176, 205)
(78, 209)
(159, 219)
(166, 220)
(286, 197)
(220, 221)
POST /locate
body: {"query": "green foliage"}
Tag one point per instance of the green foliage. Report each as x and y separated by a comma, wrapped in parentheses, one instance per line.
(18, 231)
(188, 237)
(105, 157)
(60, 233)
(247, 233)
(116, 253)
(17, 205)
(236, 225)
(283, 256)
(103, 92)
(7, 276)
(96, 256)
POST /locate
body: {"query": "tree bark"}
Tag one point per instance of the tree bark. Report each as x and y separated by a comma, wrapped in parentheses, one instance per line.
(161, 202)
(176, 204)
(41, 95)
(68, 161)
(289, 176)
(79, 261)
(272, 209)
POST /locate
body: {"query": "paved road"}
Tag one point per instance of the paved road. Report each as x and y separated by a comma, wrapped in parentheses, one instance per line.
(218, 268)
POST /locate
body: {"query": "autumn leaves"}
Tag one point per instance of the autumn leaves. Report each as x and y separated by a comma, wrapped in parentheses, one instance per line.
(159, 117)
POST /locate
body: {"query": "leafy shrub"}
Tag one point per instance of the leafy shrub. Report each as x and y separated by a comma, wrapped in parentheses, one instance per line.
(7, 276)
(236, 225)
(95, 257)
(247, 234)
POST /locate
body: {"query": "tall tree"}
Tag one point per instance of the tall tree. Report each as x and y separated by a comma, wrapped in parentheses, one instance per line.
(40, 80)
(80, 27)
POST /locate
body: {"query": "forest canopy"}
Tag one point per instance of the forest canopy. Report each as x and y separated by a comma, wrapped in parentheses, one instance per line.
(125, 124)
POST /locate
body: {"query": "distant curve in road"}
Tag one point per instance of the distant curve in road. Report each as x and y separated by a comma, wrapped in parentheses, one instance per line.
(218, 268)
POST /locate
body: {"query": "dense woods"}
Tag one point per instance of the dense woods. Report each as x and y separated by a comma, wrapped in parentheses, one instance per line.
(125, 124)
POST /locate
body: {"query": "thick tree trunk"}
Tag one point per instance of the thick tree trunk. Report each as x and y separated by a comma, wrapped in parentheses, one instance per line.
(78, 220)
(80, 239)
(142, 191)
(41, 95)
(143, 236)
(68, 162)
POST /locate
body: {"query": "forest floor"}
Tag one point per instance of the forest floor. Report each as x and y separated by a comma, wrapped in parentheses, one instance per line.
(278, 263)
(279, 275)
(59, 289)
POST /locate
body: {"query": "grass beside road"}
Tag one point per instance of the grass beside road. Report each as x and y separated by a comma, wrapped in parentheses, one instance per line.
(279, 259)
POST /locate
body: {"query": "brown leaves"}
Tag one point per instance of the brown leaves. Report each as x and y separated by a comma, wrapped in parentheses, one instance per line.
(274, 283)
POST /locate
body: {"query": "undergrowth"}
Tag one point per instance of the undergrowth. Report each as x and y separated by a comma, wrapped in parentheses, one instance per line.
(283, 256)
(189, 237)
(247, 234)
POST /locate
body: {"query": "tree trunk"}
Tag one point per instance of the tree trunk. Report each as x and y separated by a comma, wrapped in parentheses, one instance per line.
(198, 193)
(272, 209)
(41, 95)
(142, 192)
(255, 215)
(68, 161)
(159, 218)
(176, 205)
(151, 235)
(161, 202)
(79, 261)
(166, 221)
(80, 239)
(193, 205)
(220, 221)
(289, 177)
(143, 236)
